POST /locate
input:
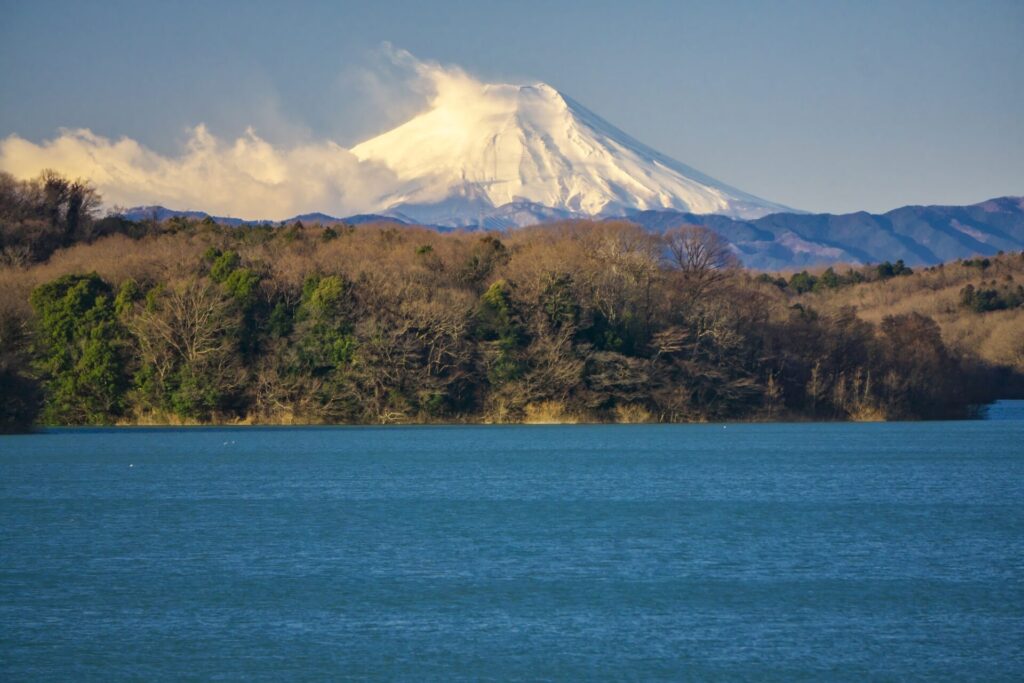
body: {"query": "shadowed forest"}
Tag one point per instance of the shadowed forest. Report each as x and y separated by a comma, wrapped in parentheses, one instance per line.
(109, 321)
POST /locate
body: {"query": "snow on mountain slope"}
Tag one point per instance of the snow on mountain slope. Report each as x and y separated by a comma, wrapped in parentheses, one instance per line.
(483, 146)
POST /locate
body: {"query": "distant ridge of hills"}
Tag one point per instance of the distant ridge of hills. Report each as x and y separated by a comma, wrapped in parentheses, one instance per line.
(162, 213)
(919, 235)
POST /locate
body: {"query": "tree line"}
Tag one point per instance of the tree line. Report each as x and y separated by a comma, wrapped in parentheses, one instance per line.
(187, 321)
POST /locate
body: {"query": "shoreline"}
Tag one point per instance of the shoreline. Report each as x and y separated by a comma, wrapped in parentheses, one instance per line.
(979, 414)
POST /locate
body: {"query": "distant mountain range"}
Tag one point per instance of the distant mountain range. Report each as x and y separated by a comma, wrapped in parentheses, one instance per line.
(161, 213)
(920, 235)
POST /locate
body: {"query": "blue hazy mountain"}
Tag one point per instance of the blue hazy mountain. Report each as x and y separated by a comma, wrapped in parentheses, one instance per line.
(920, 235)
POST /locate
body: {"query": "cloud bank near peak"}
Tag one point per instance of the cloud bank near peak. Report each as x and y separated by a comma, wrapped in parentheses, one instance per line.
(247, 177)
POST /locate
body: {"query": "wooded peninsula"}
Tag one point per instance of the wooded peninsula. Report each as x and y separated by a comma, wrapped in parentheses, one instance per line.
(105, 320)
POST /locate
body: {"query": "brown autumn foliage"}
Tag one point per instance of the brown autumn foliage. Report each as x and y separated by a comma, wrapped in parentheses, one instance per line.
(995, 337)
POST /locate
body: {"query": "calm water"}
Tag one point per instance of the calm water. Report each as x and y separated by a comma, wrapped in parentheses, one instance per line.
(887, 551)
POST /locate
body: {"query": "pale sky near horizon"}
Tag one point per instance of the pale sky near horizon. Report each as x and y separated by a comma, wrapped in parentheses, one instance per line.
(823, 106)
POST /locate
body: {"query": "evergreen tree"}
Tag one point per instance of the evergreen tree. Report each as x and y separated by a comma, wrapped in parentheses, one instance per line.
(79, 342)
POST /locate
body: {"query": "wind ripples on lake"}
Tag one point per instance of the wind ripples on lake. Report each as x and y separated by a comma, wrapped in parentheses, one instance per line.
(837, 551)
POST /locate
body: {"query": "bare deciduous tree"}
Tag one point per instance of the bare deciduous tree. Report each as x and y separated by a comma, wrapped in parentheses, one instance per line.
(191, 326)
(701, 256)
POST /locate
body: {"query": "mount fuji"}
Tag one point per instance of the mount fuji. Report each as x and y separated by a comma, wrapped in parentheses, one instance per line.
(497, 155)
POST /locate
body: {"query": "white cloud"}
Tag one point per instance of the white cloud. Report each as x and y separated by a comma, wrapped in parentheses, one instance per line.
(247, 177)
(439, 84)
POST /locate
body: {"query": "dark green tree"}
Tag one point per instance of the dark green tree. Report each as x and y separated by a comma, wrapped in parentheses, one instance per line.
(802, 282)
(498, 322)
(79, 352)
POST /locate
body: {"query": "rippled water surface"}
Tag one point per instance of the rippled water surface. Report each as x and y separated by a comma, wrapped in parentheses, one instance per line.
(824, 551)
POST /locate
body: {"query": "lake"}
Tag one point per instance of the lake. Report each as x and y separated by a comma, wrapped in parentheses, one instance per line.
(740, 551)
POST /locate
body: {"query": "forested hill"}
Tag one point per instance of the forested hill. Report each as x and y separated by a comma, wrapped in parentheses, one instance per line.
(187, 321)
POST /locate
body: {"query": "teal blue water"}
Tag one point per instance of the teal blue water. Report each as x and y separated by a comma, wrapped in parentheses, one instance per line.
(794, 551)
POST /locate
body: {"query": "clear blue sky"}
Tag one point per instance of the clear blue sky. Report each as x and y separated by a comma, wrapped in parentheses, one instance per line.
(825, 106)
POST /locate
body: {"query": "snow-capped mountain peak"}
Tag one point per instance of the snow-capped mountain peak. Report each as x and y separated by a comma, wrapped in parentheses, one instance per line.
(481, 146)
